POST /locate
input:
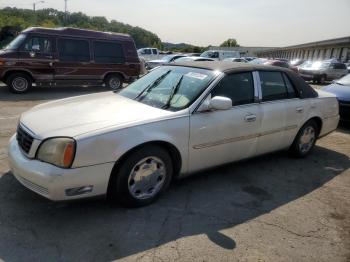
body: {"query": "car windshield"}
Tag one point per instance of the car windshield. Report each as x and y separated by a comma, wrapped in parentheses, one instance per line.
(169, 87)
(345, 81)
(185, 59)
(210, 54)
(167, 58)
(15, 43)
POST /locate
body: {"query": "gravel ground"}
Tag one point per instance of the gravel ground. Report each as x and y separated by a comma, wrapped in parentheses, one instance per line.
(271, 208)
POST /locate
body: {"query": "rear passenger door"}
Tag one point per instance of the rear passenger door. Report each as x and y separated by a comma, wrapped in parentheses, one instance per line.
(281, 112)
(109, 57)
(73, 63)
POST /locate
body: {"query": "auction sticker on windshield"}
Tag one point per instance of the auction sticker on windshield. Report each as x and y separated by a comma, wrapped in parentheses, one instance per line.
(197, 75)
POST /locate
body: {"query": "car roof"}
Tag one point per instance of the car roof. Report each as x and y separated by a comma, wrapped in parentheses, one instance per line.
(227, 67)
(75, 32)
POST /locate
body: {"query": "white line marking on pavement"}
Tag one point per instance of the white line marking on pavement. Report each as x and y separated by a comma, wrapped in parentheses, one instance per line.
(8, 117)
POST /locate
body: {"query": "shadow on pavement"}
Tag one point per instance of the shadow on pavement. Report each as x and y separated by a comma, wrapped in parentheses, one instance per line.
(36, 229)
(48, 93)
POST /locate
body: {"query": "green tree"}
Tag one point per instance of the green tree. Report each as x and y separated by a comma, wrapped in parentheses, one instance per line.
(231, 42)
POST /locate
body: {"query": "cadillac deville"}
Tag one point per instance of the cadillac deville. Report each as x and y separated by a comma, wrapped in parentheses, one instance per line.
(172, 122)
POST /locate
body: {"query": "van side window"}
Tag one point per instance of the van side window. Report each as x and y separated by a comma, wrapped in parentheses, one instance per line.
(238, 87)
(109, 53)
(73, 50)
(38, 44)
(272, 86)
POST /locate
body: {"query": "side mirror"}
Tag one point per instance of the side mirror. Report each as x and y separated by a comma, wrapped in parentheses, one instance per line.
(215, 103)
(220, 103)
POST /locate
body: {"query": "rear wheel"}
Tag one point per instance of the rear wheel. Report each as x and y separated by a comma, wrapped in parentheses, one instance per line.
(114, 82)
(19, 83)
(142, 177)
(305, 140)
(323, 79)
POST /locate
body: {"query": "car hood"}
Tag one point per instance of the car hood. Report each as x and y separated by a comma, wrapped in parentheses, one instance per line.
(83, 114)
(342, 92)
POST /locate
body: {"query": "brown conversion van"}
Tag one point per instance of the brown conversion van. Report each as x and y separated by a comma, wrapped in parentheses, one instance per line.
(68, 56)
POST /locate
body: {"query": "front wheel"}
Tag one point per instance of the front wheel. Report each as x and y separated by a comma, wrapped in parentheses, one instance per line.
(305, 140)
(114, 82)
(19, 83)
(142, 177)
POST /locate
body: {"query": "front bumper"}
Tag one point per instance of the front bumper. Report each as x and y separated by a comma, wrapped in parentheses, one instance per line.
(51, 181)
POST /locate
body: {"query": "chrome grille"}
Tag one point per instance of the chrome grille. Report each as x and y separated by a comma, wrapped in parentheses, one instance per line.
(24, 139)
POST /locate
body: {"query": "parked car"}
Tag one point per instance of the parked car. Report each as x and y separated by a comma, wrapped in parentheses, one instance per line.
(348, 66)
(281, 63)
(297, 62)
(258, 61)
(239, 60)
(149, 53)
(250, 58)
(163, 61)
(174, 121)
(322, 71)
(193, 59)
(65, 56)
(341, 88)
(220, 54)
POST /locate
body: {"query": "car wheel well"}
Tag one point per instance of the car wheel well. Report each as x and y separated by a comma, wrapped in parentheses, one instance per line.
(8, 73)
(318, 122)
(111, 74)
(170, 148)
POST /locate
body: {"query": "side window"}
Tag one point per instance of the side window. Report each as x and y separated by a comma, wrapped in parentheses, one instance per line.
(107, 52)
(73, 50)
(339, 66)
(239, 87)
(154, 51)
(290, 87)
(272, 86)
(38, 44)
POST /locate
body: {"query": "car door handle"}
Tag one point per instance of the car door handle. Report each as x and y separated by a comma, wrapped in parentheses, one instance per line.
(300, 110)
(250, 118)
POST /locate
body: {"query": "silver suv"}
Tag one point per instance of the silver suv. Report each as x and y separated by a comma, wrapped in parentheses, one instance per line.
(322, 71)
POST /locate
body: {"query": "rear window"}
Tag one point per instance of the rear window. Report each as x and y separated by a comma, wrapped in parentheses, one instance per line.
(73, 50)
(106, 52)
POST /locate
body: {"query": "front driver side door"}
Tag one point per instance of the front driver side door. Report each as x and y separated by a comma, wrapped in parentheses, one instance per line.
(222, 136)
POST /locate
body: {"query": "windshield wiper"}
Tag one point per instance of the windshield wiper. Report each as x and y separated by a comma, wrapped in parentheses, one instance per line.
(173, 92)
(152, 85)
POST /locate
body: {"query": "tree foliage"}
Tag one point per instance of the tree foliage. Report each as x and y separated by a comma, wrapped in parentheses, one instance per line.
(231, 42)
(23, 18)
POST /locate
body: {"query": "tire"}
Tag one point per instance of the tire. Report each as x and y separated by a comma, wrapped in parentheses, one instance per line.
(19, 83)
(114, 82)
(305, 140)
(134, 184)
(323, 79)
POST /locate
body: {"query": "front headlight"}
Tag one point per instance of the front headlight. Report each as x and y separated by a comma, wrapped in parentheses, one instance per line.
(57, 151)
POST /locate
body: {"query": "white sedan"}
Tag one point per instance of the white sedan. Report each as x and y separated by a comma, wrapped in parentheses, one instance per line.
(174, 121)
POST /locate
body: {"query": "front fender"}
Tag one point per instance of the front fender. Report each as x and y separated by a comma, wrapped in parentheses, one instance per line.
(111, 146)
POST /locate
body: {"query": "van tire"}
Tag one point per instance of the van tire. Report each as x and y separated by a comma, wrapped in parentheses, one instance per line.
(114, 82)
(19, 83)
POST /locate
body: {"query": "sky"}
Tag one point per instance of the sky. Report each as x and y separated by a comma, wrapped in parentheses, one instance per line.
(270, 23)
